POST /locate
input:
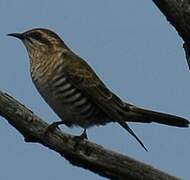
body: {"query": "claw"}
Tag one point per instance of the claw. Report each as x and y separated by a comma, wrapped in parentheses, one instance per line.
(79, 138)
(51, 128)
(82, 136)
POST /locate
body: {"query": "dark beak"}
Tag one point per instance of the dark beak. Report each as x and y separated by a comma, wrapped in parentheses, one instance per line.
(17, 35)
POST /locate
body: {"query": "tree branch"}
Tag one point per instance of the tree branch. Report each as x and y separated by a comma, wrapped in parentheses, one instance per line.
(84, 153)
(177, 13)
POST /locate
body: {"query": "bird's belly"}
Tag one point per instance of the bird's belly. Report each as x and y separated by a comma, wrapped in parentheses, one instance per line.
(85, 116)
(72, 107)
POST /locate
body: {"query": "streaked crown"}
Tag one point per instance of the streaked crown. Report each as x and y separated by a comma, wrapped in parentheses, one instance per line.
(39, 38)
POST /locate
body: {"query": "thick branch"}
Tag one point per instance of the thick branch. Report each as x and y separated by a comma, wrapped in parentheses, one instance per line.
(84, 153)
(177, 13)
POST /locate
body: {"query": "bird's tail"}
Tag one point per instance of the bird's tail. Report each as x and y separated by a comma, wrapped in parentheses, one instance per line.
(126, 127)
(136, 114)
(131, 113)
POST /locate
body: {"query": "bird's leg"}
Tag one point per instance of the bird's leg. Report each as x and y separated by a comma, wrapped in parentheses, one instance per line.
(53, 126)
(82, 136)
(79, 138)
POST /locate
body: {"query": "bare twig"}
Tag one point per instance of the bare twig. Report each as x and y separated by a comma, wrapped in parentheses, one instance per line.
(177, 13)
(80, 153)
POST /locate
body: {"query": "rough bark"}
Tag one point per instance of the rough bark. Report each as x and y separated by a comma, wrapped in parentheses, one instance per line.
(80, 153)
(177, 13)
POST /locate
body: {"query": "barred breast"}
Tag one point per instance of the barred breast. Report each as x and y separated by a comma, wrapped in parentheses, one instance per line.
(70, 104)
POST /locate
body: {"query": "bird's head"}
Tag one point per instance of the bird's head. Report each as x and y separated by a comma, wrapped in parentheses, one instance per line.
(40, 40)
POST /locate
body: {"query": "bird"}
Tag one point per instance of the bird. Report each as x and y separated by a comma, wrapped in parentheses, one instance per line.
(75, 92)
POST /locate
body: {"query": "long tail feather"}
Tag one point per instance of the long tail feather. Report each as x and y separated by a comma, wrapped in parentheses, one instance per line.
(125, 126)
(136, 114)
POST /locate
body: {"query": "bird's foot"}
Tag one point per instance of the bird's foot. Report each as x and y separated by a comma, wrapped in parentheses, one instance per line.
(82, 136)
(79, 138)
(51, 128)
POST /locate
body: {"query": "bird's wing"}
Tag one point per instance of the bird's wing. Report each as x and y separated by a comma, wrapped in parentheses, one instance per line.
(85, 79)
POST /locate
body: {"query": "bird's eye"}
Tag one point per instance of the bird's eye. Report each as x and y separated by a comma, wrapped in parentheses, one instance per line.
(36, 35)
(37, 38)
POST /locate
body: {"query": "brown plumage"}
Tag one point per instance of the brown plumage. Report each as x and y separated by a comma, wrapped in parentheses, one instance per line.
(74, 91)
